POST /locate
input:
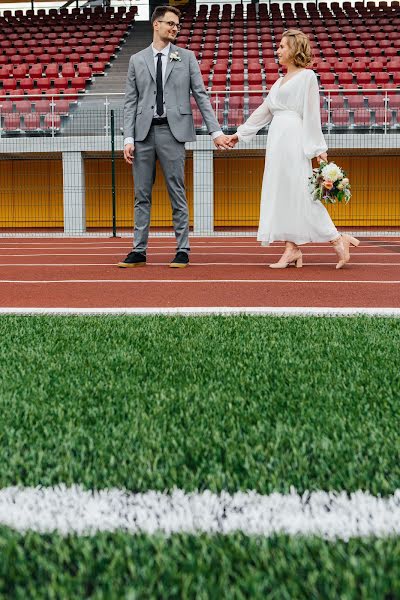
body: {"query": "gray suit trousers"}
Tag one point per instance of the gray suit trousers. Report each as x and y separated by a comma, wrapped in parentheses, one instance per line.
(160, 144)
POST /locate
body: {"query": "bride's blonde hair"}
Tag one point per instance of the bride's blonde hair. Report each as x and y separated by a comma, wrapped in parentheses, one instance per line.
(299, 46)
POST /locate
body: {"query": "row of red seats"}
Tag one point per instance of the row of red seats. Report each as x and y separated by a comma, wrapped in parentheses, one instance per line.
(57, 59)
(362, 80)
(31, 122)
(371, 101)
(38, 71)
(41, 107)
(45, 83)
(85, 12)
(71, 93)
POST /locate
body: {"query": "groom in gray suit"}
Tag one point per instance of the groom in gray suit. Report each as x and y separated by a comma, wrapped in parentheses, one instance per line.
(158, 121)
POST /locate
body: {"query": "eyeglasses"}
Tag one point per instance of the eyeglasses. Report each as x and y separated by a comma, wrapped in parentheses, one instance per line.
(171, 24)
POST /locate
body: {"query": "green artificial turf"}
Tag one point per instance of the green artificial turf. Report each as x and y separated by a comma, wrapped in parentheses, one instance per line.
(120, 566)
(219, 403)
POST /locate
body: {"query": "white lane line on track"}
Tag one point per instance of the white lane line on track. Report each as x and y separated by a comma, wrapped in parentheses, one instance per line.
(163, 243)
(193, 264)
(210, 253)
(169, 248)
(328, 515)
(186, 281)
(188, 311)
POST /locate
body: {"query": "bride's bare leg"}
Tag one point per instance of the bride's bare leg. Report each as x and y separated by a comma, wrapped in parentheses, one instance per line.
(291, 255)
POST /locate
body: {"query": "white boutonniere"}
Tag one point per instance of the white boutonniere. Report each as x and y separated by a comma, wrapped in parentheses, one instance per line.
(174, 56)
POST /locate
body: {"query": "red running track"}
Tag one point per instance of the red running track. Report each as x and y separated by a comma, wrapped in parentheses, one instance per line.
(224, 272)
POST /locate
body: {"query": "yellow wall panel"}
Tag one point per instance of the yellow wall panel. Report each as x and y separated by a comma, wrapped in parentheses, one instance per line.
(374, 180)
(31, 193)
(237, 190)
(375, 188)
(99, 194)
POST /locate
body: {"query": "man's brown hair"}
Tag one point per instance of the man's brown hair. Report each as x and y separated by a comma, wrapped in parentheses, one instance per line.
(159, 12)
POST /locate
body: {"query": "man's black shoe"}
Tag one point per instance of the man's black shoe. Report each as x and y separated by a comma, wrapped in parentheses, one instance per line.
(180, 261)
(134, 259)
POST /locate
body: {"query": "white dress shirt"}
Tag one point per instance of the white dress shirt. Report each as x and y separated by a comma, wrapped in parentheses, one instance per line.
(164, 62)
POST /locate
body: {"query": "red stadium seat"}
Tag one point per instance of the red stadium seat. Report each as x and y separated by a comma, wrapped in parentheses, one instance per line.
(42, 107)
(375, 100)
(337, 102)
(12, 122)
(219, 79)
(362, 118)
(68, 70)
(355, 102)
(61, 107)
(9, 84)
(327, 78)
(381, 78)
(340, 118)
(254, 79)
(237, 79)
(394, 102)
(22, 106)
(220, 68)
(31, 122)
(61, 83)
(382, 118)
(376, 66)
(35, 71)
(98, 67)
(363, 79)
(20, 71)
(79, 83)
(52, 121)
(52, 71)
(44, 83)
(345, 78)
(6, 106)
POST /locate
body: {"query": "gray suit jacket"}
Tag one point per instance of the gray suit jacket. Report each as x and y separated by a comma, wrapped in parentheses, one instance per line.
(180, 77)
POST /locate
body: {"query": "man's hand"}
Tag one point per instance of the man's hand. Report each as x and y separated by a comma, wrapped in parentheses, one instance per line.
(129, 149)
(232, 140)
(221, 142)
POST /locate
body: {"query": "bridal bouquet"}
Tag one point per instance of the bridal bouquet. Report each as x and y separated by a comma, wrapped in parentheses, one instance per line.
(330, 184)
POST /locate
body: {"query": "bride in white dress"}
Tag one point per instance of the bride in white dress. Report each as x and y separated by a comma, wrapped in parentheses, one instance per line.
(288, 211)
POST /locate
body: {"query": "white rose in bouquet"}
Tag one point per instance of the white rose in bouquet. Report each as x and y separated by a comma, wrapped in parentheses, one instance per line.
(332, 172)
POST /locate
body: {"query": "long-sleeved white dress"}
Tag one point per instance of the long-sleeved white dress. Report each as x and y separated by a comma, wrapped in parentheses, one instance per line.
(287, 210)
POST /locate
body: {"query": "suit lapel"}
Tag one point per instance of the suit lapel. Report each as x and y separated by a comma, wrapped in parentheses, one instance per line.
(149, 58)
(170, 63)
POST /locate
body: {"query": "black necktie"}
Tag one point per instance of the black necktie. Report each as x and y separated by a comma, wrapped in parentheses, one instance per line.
(159, 96)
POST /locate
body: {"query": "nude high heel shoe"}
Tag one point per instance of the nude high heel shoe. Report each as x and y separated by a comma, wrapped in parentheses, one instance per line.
(288, 258)
(342, 248)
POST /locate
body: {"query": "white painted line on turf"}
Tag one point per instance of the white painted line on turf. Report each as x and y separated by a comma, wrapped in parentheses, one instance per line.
(185, 281)
(210, 310)
(73, 510)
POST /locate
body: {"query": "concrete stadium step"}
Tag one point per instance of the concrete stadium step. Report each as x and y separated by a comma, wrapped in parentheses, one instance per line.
(89, 117)
(139, 37)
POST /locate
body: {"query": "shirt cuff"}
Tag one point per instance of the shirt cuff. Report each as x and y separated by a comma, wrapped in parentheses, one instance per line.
(216, 134)
(128, 141)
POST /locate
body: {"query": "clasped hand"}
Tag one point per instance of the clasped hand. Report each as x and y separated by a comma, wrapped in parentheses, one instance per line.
(223, 142)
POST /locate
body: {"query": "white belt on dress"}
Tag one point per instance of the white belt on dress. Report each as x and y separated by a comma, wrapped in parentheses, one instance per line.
(287, 113)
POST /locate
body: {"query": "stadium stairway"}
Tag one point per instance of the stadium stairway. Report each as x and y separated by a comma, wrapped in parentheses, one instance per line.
(89, 118)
